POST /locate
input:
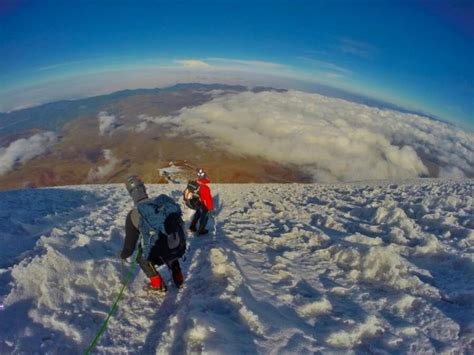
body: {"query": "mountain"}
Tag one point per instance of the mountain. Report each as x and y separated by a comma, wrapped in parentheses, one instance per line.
(54, 115)
(297, 268)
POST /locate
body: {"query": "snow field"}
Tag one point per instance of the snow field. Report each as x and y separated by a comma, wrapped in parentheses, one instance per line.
(369, 267)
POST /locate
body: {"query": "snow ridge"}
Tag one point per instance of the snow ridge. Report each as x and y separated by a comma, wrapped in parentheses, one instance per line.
(367, 267)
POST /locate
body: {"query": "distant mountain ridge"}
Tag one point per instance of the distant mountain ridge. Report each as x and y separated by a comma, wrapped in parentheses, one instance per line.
(53, 115)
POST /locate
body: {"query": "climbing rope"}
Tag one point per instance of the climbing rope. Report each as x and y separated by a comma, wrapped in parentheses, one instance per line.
(102, 329)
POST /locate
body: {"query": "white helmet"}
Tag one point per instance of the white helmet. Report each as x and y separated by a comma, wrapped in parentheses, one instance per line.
(200, 173)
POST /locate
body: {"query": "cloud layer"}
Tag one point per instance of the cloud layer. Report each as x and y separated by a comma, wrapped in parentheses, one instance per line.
(99, 172)
(24, 149)
(192, 63)
(331, 139)
(107, 123)
(361, 49)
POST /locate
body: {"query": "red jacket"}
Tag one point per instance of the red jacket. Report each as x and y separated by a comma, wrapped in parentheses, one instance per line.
(205, 193)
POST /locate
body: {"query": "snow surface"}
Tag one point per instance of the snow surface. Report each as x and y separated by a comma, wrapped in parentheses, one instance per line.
(368, 267)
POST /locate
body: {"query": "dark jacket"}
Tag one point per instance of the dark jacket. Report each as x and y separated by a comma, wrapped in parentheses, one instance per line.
(132, 234)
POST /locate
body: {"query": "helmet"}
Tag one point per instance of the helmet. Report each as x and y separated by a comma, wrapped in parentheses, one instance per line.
(136, 188)
(200, 173)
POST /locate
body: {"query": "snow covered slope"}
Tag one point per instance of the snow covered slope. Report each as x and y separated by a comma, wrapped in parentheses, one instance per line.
(287, 269)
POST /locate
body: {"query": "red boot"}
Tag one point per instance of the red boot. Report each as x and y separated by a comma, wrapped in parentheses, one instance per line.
(157, 283)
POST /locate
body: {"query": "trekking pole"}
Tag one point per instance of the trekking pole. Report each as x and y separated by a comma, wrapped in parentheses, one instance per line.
(189, 166)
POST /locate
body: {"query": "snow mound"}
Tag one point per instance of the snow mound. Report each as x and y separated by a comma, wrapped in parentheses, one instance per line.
(356, 336)
(364, 268)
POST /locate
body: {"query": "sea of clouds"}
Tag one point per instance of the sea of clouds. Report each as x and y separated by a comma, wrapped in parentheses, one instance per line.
(329, 138)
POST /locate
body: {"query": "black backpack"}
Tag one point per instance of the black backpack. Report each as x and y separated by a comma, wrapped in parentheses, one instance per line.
(175, 236)
(161, 223)
(191, 195)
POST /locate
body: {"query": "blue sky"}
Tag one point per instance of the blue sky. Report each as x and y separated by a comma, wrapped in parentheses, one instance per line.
(418, 54)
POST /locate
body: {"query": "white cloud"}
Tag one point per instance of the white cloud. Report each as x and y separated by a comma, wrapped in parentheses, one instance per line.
(332, 139)
(61, 65)
(254, 64)
(361, 49)
(24, 149)
(141, 127)
(192, 63)
(328, 67)
(102, 171)
(333, 75)
(151, 119)
(146, 118)
(231, 64)
(107, 123)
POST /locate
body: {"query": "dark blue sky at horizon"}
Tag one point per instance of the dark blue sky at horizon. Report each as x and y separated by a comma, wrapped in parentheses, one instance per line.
(417, 54)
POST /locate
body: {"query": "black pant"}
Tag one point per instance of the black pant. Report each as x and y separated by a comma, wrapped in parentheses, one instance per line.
(201, 215)
(148, 265)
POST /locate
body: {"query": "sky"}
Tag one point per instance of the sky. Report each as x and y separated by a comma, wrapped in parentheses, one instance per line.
(416, 54)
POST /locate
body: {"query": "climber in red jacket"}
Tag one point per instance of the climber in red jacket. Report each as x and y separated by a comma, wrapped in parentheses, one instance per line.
(206, 204)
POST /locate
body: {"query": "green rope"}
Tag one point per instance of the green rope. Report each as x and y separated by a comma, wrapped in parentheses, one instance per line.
(114, 307)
